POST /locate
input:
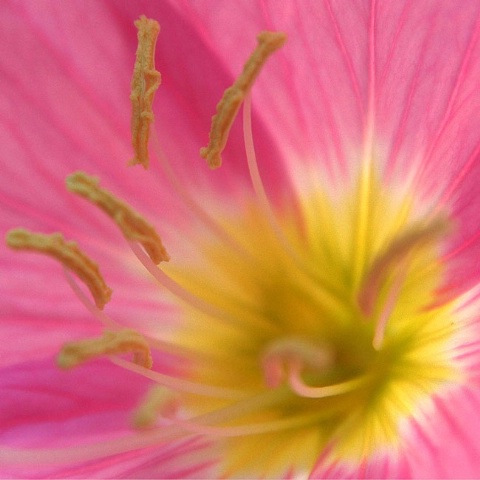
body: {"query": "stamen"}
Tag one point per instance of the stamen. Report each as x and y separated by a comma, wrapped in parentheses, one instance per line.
(286, 351)
(66, 253)
(227, 108)
(398, 250)
(111, 343)
(190, 298)
(305, 267)
(197, 207)
(145, 82)
(179, 384)
(250, 429)
(133, 226)
(109, 323)
(158, 401)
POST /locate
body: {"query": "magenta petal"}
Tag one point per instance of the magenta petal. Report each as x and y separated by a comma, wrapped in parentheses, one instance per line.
(93, 395)
(97, 393)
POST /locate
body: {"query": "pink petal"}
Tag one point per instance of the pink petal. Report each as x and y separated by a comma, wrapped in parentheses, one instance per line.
(92, 395)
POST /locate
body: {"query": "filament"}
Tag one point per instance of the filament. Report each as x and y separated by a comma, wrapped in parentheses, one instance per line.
(248, 429)
(181, 384)
(199, 212)
(93, 309)
(264, 202)
(189, 298)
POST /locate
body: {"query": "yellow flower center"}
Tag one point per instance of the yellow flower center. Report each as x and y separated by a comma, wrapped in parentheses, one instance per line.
(322, 360)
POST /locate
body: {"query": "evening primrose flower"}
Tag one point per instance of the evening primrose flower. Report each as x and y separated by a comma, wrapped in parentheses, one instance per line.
(301, 301)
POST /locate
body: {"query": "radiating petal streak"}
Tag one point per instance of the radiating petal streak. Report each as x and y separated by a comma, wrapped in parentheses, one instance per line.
(61, 128)
(469, 164)
(394, 43)
(465, 244)
(461, 435)
(328, 115)
(412, 90)
(95, 101)
(372, 60)
(347, 59)
(452, 97)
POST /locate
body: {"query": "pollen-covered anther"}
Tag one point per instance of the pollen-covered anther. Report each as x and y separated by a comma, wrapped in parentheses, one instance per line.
(282, 353)
(396, 254)
(145, 82)
(67, 253)
(158, 401)
(110, 343)
(227, 108)
(133, 226)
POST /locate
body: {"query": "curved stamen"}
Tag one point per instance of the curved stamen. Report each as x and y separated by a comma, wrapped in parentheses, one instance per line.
(181, 384)
(111, 343)
(132, 225)
(161, 345)
(210, 221)
(189, 298)
(264, 202)
(68, 254)
(161, 401)
(227, 108)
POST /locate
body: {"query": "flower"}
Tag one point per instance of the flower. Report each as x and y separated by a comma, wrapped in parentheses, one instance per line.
(319, 312)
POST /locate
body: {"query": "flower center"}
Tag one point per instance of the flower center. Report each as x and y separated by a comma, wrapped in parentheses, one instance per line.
(343, 363)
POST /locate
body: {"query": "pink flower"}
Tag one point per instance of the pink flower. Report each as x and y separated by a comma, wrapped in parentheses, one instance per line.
(324, 321)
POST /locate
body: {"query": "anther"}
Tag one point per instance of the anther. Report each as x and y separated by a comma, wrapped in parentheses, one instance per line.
(67, 253)
(158, 401)
(111, 343)
(416, 237)
(227, 108)
(145, 82)
(133, 226)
